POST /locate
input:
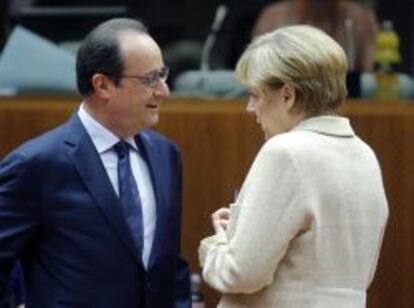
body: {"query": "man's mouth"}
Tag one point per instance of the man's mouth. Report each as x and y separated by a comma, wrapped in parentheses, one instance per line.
(152, 106)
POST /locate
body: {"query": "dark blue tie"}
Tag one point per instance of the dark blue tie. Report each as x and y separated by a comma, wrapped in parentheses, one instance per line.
(129, 194)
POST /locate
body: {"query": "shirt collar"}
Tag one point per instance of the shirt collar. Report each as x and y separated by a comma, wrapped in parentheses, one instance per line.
(102, 138)
(328, 125)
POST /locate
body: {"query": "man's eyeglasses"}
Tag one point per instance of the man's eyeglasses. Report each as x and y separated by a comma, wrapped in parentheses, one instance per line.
(151, 79)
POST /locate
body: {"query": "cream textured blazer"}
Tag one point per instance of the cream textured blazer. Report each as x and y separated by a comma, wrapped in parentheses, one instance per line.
(307, 227)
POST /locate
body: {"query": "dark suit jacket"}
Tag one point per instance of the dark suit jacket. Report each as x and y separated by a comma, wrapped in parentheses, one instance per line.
(60, 215)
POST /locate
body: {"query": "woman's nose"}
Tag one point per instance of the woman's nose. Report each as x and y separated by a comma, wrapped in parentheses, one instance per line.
(251, 106)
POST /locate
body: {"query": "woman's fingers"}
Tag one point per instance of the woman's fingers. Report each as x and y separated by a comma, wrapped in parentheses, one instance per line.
(220, 219)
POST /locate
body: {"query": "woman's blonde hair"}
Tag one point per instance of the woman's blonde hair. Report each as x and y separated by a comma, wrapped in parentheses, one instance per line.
(302, 56)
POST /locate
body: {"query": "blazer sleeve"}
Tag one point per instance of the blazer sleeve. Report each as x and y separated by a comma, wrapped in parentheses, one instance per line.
(17, 214)
(270, 217)
(182, 287)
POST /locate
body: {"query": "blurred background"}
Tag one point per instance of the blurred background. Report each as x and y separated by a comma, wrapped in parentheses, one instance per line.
(218, 140)
(180, 26)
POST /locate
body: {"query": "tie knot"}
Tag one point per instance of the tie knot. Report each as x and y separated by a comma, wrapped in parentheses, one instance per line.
(122, 148)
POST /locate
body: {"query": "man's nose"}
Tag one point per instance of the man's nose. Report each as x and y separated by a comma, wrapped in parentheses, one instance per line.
(162, 90)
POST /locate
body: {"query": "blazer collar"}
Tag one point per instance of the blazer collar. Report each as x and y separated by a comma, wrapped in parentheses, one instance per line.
(152, 157)
(327, 125)
(102, 138)
(89, 165)
(87, 161)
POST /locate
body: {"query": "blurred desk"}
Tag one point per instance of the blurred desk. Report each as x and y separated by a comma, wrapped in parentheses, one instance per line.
(219, 141)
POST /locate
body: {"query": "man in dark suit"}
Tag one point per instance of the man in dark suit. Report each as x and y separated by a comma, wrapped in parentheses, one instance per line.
(92, 208)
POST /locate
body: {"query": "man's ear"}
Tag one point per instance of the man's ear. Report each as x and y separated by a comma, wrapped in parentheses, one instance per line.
(102, 85)
(288, 95)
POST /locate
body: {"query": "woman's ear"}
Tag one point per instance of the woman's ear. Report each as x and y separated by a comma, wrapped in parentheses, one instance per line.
(102, 86)
(288, 95)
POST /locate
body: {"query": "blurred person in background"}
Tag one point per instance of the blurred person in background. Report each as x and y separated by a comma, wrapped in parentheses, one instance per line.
(308, 224)
(351, 24)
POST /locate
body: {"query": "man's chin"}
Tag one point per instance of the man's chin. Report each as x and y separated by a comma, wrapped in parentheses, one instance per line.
(153, 120)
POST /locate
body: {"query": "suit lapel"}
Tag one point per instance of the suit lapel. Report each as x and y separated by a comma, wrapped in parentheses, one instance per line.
(89, 165)
(153, 160)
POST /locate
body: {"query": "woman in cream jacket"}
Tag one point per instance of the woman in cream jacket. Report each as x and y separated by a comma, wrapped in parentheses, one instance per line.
(307, 226)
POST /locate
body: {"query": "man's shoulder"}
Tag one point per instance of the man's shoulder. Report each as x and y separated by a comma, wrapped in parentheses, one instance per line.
(37, 155)
(44, 143)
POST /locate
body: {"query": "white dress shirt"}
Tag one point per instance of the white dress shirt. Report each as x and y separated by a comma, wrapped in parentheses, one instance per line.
(104, 140)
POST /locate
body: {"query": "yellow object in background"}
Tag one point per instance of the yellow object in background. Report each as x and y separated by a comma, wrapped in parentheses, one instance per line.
(387, 46)
(386, 55)
(387, 86)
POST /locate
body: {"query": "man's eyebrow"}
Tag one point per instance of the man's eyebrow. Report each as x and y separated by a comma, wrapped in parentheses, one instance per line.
(156, 70)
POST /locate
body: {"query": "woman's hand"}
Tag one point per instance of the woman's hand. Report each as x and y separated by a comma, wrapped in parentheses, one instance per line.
(220, 219)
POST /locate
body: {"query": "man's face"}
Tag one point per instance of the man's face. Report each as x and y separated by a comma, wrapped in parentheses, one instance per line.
(134, 103)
